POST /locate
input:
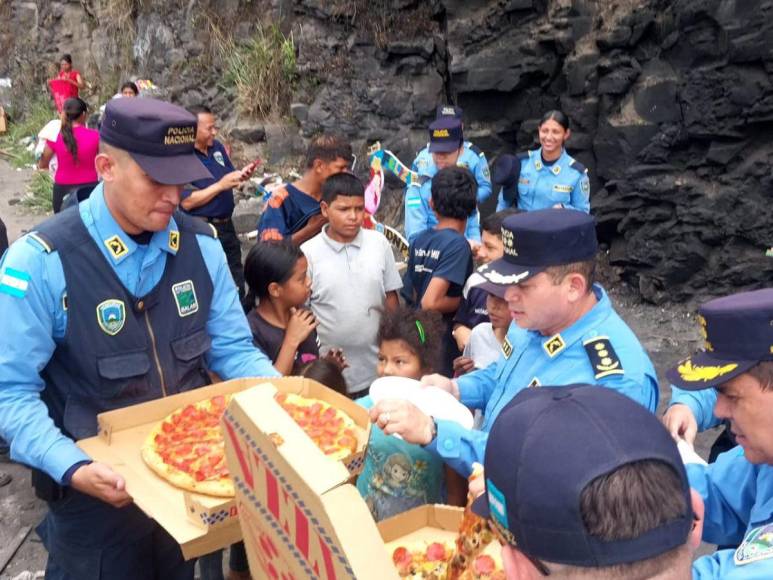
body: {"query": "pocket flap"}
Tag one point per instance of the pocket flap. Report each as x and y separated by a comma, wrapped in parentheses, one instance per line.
(192, 346)
(124, 365)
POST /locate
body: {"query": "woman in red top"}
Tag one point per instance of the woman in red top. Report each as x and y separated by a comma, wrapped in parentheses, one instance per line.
(67, 73)
(75, 148)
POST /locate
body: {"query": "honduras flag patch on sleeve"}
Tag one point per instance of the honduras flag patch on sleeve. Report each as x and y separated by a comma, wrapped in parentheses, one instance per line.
(14, 282)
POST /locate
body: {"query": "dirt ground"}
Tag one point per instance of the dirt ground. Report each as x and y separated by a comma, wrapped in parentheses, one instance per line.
(666, 332)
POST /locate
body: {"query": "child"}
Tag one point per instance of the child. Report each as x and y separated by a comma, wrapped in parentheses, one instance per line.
(440, 259)
(398, 476)
(485, 344)
(326, 372)
(276, 276)
(353, 277)
(472, 311)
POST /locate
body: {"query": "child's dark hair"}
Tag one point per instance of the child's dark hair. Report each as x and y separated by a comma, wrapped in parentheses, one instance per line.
(557, 116)
(66, 58)
(131, 86)
(326, 372)
(492, 223)
(421, 330)
(328, 148)
(268, 262)
(344, 184)
(454, 193)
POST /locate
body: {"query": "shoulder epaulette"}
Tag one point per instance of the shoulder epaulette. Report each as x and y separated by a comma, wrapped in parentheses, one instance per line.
(522, 155)
(603, 357)
(577, 166)
(43, 241)
(477, 150)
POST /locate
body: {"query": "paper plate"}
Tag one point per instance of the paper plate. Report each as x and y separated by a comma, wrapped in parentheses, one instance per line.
(430, 400)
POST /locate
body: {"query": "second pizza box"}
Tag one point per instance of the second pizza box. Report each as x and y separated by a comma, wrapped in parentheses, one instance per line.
(198, 522)
(300, 516)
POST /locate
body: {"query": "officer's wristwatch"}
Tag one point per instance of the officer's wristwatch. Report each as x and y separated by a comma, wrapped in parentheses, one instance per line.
(433, 430)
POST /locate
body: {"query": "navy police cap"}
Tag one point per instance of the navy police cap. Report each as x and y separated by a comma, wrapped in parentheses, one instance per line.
(737, 334)
(536, 240)
(543, 450)
(448, 111)
(445, 135)
(159, 136)
(505, 170)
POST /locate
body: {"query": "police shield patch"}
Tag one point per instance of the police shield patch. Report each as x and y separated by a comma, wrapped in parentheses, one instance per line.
(185, 297)
(757, 545)
(111, 316)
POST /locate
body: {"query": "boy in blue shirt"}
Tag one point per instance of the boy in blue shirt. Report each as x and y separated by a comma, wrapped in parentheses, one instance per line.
(440, 259)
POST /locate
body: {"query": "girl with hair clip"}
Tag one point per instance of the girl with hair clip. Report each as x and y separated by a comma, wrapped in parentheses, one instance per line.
(76, 147)
(398, 476)
(544, 177)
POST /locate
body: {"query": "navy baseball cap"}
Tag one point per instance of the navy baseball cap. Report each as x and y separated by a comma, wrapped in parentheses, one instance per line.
(737, 333)
(546, 446)
(505, 170)
(448, 111)
(536, 240)
(159, 136)
(445, 135)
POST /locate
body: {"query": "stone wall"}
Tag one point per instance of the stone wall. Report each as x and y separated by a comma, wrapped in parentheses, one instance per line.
(671, 101)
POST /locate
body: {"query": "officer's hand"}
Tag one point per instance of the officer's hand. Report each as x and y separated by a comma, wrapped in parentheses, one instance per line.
(463, 364)
(302, 322)
(681, 423)
(441, 382)
(100, 481)
(230, 180)
(404, 419)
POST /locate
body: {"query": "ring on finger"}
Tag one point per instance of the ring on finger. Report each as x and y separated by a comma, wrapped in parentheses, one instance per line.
(387, 417)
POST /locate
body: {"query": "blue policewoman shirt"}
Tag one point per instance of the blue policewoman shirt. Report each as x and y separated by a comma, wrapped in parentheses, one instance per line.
(541, 185)
(418, 214)
(738, 500)
(598, 349)
(33, 307)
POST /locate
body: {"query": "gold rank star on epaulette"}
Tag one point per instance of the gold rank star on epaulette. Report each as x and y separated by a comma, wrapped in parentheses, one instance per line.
(603, 357)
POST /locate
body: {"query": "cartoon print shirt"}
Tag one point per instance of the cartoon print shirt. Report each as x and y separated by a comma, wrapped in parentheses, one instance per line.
(397, 476)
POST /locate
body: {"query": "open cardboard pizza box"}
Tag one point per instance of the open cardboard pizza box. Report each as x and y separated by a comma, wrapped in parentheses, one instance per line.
(200, 523)
(300, 516)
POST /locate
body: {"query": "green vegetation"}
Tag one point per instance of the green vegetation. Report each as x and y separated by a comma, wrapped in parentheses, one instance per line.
(38, 112)
(40, 192)
(262, 70)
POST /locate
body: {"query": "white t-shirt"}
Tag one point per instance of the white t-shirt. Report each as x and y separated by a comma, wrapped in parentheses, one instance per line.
(483, 347)
(349, 283)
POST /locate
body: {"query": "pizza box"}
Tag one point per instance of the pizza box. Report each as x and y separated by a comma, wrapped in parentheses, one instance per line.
(300, 516)
(200, 523)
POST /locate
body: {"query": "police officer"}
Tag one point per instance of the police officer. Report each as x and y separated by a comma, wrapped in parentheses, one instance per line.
(565, 331)
(446, 147)
(118, 301)
(737, 361)
(213, 198)
(545, 177)
(582, 482)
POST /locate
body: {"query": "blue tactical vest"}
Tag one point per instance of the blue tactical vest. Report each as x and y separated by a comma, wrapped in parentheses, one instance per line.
(119, 349)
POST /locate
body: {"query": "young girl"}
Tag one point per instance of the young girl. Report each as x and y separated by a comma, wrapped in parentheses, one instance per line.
(398, 476)
(276, 278)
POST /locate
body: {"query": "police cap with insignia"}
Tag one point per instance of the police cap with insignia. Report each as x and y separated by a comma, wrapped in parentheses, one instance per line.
(159, 136)
(546, 446)
(445, 135)
(737, 334)
(535, 240)
(448, 111)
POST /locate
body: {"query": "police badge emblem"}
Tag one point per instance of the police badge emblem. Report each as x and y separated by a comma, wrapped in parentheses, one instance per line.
(185, 297)
(757, 545)
(219, 158)
(111, 316)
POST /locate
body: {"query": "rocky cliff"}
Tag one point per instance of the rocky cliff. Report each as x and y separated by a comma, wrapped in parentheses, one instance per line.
(671, 101)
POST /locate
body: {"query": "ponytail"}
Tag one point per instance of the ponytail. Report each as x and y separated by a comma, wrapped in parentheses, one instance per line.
(73, 109)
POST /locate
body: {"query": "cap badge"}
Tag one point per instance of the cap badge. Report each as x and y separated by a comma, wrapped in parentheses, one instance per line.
(508, 241)
(440, 133)
(704, 334)
(695, 373)
(180, 135)
(554, 345)
(448, 111)
(757, 545)
(603, 357)
(111, 316)
(116, 247)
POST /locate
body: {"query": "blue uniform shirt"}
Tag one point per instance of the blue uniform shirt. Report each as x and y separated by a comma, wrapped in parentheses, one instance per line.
(701, 403)
(217, 162)
(542, 186)
(34, 317)
(598, 349)
(738, 497)
(418, 214)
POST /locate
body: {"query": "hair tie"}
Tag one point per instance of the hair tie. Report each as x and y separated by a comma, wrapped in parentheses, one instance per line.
(422, 335)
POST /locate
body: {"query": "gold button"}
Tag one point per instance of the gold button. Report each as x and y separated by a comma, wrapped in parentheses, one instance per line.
(140, 305)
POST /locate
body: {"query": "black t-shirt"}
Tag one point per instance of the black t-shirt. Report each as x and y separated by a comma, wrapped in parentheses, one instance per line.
(269, 339)
(472, 311)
